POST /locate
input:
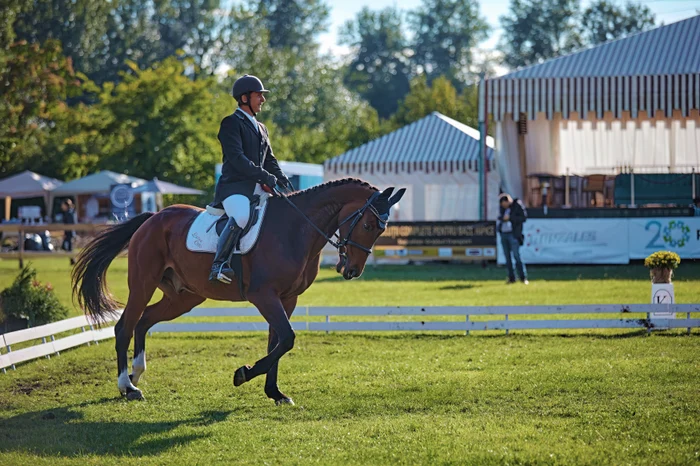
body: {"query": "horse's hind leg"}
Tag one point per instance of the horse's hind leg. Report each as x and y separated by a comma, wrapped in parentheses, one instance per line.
(167, 308)
(141, 289)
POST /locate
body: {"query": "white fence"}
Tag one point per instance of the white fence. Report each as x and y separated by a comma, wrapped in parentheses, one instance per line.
(90, 334)
(621, 319)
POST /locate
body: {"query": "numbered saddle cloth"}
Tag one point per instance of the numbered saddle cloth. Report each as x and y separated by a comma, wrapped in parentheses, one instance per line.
(203, 236)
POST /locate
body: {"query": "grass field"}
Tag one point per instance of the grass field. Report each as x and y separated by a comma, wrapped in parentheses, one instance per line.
(604, 397)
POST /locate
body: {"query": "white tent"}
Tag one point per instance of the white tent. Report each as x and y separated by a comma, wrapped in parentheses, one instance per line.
(97, 183)
(629, 103)
(26, 185)
(436, 158)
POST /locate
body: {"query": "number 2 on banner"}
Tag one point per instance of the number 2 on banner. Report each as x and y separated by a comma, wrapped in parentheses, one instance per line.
(652, 243)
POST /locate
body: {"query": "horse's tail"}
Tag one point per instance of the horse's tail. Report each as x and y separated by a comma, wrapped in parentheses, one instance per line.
(90, 271)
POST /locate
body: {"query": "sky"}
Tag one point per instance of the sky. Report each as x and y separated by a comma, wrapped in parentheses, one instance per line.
(667, 11)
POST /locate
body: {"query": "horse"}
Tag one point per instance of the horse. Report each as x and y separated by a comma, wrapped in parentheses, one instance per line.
(281, 266)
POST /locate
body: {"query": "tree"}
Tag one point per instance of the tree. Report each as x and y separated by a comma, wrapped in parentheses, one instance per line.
(441, 96)
(537, 30)
(34, 84)
(294, 23)
(380, 67)
(603, 21)
(445, 33)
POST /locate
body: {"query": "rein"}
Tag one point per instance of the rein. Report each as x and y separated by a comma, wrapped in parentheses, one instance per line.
(341, 244)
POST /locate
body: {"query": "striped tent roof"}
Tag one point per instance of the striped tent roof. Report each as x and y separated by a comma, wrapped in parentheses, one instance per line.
(657, 70)
(433, 143)
(669, 49)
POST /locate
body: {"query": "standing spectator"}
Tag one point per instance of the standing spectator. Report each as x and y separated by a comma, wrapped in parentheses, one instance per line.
(510, 226)
(696, 206)
(68, 218)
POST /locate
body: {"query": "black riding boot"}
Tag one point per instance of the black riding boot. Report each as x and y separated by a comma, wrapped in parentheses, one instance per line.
(221, 268)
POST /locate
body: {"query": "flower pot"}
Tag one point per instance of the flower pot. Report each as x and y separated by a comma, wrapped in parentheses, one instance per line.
(661, 275)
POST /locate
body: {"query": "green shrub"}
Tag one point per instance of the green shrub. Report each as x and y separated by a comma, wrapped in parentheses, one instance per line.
(28, 299)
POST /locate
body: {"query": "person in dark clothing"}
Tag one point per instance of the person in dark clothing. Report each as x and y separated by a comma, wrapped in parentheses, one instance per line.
(510, 226)
(248, 161)
(68, 218)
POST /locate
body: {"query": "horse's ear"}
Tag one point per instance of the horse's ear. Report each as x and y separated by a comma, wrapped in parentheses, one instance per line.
(397, 197)
(386, 193)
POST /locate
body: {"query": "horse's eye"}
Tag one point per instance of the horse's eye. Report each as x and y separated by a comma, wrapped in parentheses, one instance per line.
(367, 227)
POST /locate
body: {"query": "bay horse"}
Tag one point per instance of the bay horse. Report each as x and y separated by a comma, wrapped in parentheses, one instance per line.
(282, 265)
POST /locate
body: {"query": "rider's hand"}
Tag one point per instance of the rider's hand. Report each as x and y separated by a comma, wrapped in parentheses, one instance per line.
(269, 180)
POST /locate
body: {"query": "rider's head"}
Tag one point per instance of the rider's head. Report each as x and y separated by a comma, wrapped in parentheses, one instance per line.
(248, 91)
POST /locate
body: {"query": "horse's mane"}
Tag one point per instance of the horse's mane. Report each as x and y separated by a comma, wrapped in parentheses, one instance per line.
(332, 184)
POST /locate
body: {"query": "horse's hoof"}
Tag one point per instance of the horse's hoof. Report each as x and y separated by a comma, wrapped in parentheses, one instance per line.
(239, 377)
(284, 401)
(134, 395)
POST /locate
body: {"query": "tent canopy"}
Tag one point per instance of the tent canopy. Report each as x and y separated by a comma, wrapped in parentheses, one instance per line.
(163, 187)
(100, 182)
(27, 185)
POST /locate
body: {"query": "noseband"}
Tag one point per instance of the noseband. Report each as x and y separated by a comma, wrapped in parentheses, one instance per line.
(342, 244)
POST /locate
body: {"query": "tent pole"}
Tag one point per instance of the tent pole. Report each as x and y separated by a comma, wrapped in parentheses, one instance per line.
(482, 147)
(8, 204)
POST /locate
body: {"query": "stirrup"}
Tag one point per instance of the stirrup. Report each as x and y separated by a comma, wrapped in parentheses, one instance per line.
(219, 275)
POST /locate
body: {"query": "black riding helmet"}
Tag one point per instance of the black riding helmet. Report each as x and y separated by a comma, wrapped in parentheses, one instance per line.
(244, 86)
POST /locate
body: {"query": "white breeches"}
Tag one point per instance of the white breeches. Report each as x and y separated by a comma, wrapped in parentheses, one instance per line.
(237, 207)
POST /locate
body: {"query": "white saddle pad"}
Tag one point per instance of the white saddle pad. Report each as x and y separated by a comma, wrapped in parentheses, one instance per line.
(202, 236)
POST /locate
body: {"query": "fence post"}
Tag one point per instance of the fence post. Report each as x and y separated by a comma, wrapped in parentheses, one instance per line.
(507, 329)
(83, 329)
(53, 338)
(43, 340)
(92, 329)
(688, 317)
(9, 350)
(648, 323)
(328, 321)
(467, 324)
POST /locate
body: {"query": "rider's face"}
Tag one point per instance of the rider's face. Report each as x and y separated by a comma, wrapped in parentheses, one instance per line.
(256, 101)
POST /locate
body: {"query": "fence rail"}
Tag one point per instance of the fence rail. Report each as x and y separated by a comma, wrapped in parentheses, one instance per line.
(622, 319)
(90, 334)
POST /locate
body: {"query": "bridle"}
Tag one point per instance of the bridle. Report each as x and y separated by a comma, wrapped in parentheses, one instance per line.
(354, 218)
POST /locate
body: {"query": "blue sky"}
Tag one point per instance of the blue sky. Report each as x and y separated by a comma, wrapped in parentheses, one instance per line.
(668, 11)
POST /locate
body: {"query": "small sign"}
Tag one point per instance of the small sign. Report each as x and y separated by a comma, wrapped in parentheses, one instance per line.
(444, 252)
(662, 293)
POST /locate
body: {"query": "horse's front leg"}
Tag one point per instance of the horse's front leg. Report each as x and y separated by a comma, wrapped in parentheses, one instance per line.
(273, 311)
(271, 388)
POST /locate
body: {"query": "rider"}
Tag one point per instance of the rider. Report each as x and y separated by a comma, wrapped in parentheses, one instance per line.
(247, 160)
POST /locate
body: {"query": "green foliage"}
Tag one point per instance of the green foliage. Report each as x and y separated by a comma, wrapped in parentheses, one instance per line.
(445, 34)
(28, 299)
(35, 82)
(537, 30)
(603, 21)
(295, 22)
(442, 97)
(380, 67)
(662, 260)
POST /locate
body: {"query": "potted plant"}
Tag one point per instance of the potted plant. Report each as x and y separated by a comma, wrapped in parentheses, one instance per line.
(27, 302)
(661, 265)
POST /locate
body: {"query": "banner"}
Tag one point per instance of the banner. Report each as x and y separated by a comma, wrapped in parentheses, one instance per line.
(573, 241)
(680, 235)
(421, 234)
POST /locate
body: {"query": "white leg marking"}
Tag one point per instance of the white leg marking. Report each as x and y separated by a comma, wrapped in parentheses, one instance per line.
(124, 382)
(138, 367)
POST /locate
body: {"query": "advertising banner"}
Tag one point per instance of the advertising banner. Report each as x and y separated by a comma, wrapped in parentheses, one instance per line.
(573, 241)
(421, 234)
(680, 235)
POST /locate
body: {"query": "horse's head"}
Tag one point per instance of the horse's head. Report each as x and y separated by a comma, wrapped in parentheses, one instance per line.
(361, 224)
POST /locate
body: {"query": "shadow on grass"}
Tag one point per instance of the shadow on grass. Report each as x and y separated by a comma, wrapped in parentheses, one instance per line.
(63, 432)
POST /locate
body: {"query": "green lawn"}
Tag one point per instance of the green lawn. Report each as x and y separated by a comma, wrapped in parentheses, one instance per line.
(576, 397)
(435, 285)
(366, 399)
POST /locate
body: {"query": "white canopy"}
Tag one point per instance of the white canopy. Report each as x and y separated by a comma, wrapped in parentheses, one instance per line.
(97, 183)
(27, 184)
